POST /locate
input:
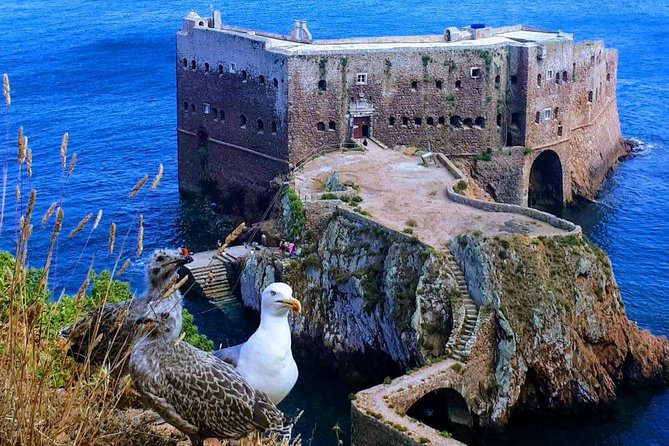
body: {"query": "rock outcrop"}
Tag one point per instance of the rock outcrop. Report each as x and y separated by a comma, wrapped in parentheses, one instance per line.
(370, 296)
(562, 344)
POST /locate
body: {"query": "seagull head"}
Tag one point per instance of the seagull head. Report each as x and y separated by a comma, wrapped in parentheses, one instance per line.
(278, 300)
(163, 265)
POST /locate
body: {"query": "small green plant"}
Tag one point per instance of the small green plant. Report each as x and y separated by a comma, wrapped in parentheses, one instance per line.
(352, 397)
(387, 380)
(457, 367)
(477, 233)
(484, 155)
(527, 150)
(445, 434)
(460, 187)
(329, 196)
(408, 231)
(423, 440)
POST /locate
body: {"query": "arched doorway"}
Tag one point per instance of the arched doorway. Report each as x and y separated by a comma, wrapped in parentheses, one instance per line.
(546, 190)
(445, 410)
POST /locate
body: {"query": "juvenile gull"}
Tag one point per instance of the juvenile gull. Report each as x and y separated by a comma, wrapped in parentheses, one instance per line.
(106, 334)
(194, 391)
(266, 359)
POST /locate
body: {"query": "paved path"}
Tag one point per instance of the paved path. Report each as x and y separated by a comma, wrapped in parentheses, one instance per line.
(396, 187)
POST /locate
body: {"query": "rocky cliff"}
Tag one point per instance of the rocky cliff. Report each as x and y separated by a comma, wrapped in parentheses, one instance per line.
(374, 301)
(561, 342)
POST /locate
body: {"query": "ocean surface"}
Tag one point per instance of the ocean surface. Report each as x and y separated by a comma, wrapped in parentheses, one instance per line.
(105, 73)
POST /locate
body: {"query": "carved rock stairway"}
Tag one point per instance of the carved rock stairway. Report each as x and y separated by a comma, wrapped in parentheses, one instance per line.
(458, 347)
(213, 279)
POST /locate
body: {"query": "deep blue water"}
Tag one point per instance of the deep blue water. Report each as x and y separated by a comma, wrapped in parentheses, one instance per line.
(104, 71)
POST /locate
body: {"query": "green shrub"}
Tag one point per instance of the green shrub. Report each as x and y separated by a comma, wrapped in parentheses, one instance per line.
(329, 196)
(484, 155)
(408, 231)
(460, 186)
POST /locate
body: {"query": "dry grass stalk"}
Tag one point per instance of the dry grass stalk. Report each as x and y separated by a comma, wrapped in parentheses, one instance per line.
(156, 180)
(29, 163)
(52, 243)
(48, 213)
(82, 291)
(112, 237)
(63, 150)
(138, 186)
(6, 90)
(140, 236)
(21, 145)
(17, 193)
(82, 223)
(97, 219)
(31, 204)
(173, 287)
(73, 161)
(125, 266)
(230, 238)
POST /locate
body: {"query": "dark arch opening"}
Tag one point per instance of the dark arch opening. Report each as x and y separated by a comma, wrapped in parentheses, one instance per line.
(206, 67)
(193, 64)
(322, 85)
(242, 121)
(480, 122)
(220, 69)
(546, 189)
(261, 79)
(275, 82)
(185, 62)
(468, 123)
(245, 76)
(445, 410)
(455, 121)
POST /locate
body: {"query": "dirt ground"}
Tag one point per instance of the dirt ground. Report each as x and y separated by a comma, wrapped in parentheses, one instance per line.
(399, 192)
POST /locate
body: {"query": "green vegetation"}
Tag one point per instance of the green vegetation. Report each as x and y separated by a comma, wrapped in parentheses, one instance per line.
(387, 380)
(423, 440)
(426, 59)
(527, 150)
(457, 367)
(450, 99)
(484, 155)
(329, 196)
(407, 231)
(445, 434)
(460, 187)
(297, 219)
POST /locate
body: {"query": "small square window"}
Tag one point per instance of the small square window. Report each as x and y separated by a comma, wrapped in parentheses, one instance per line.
(361, 78)
(233, 68)
(206, 108)
(475, 72)
(549, 74)
(547, 114)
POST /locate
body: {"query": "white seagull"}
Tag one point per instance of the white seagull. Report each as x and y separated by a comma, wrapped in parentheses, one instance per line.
(266, 361)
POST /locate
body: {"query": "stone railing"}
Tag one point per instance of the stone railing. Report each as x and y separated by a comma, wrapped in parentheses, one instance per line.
(489, 206)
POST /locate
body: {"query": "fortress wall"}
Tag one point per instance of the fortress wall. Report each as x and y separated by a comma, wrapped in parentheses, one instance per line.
(389, 88)
(227, 91)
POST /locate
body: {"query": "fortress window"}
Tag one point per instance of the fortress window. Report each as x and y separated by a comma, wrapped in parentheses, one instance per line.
(468, 123)
(539, 79)
(192, 107)
(608, 77)
(442, 120)
(455, 121)
(274, 127)
(332, 126)
(537, 118)
(206, 67)
(480, 122)
(275, 82)
(547, 114)
(549, 74)
(405, 121)
(514, 79)
(214, 112)
(497, 79)
(430, 121)
(590, 96)
(418, 121)
(391, 122)
(245, 76)
(185, 62)
(592, 60)
(565, 76)
(200, 23)
(261, 126)
(193, 64)
(220, 69)
(261, 80)
(559, 130)
(475, 72)
(206, 108)
(221, 115)
(361, 78)
(439, 84)
(320, 126)
(499, 120)
(458, 84)
(557, 78)
(414, 85)
(233, 68)
(322, 85)
(186, 105)
(555, 112)
(242, 121)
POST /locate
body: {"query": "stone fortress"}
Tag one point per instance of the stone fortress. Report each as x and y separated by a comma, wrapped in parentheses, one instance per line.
(530, 114)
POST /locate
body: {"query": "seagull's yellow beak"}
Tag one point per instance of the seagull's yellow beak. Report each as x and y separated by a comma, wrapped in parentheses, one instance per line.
(293, 303)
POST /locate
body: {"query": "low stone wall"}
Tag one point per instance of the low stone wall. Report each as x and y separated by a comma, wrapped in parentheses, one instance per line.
(501, 207)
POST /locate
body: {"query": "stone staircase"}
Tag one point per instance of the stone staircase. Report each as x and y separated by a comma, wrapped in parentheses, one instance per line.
(460, 343)
(213, 279)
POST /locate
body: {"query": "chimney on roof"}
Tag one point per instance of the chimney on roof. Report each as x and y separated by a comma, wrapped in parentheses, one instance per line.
(300, 32)
(216, 15)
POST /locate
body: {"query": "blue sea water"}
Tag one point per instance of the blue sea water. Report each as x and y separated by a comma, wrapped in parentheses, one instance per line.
(104, 72)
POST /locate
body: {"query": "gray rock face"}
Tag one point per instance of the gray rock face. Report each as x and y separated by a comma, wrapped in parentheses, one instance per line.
(369, 295)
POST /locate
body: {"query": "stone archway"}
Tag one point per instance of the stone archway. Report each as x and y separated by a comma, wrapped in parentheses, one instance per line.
(546, 188)
(445, 409)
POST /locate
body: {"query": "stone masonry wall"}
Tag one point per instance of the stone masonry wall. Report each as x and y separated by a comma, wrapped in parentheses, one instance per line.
(235, 76)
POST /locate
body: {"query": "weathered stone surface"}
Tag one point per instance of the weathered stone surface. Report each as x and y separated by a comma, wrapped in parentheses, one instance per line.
(563, 343)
